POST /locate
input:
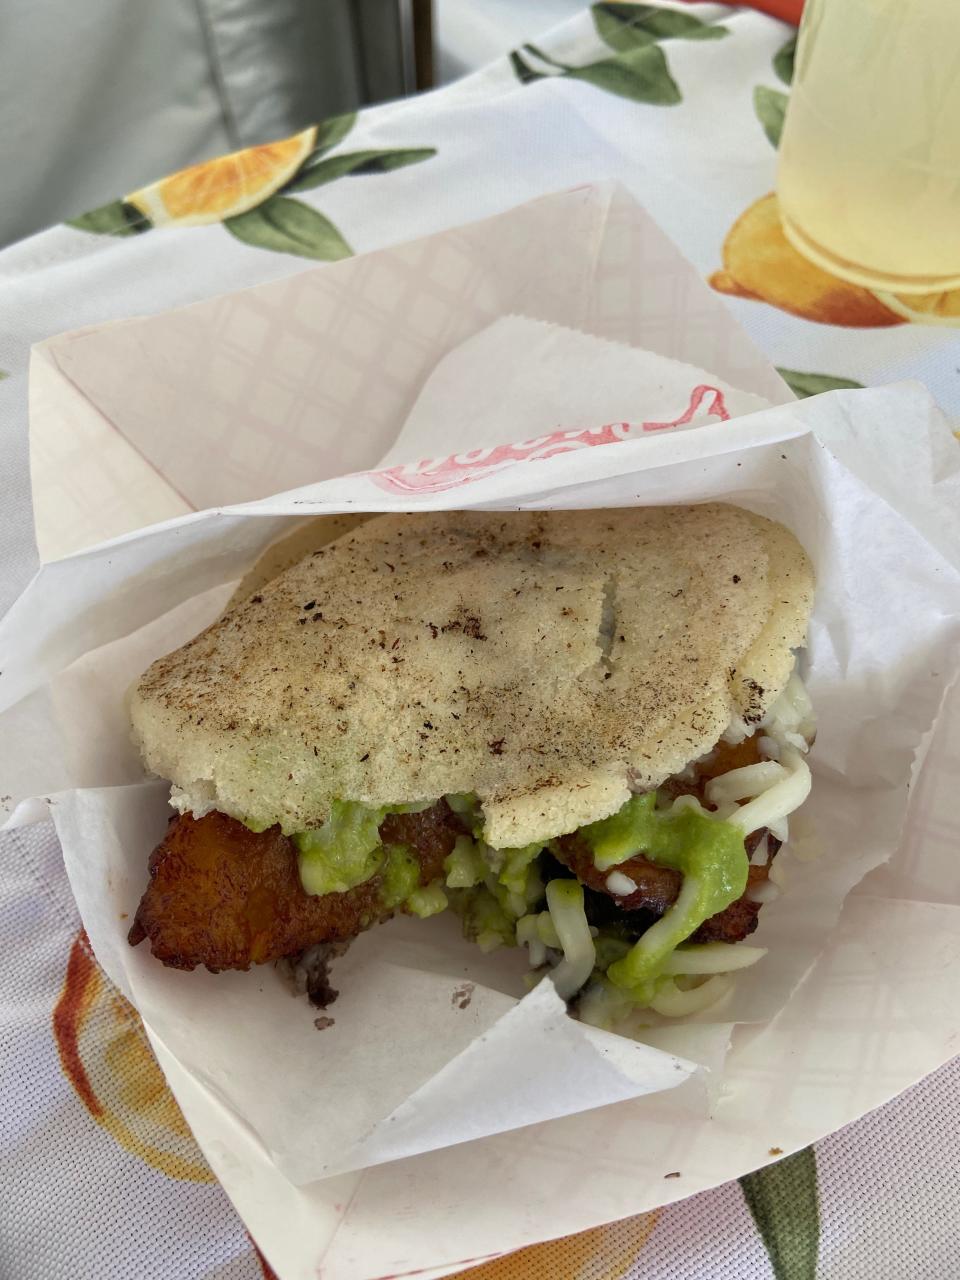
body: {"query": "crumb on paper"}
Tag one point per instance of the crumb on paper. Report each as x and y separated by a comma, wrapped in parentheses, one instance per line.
(123, 915)
(309, 972)
(775, 1151)
(462, 995)
(675, 1174)
(322, 1023)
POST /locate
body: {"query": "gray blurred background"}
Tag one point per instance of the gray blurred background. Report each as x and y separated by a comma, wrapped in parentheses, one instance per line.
(99, 97)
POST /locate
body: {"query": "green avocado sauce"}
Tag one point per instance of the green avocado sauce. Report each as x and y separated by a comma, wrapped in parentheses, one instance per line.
(346, 851)
(492, 888)
(711, 857)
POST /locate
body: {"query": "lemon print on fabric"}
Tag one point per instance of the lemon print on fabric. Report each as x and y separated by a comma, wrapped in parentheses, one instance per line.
(925, 308)
(603, 1253)
(105, 1055)
(224, 187)
(251, 193)
(760, 263)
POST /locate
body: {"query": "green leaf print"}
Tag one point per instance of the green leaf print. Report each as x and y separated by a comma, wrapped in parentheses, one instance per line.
(330, 133)
(641, 75)
(770, 106)
(290, 226)
(333, 167)
(114, 219)
(814, 384)
(545, 57)
(784, 1201)
(524, 73)
(783, 60)
(278, 223)
(645, 78)
(639, 72)
(628, 26)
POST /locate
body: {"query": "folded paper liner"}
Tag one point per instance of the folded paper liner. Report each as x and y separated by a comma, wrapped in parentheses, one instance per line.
(444, 1105)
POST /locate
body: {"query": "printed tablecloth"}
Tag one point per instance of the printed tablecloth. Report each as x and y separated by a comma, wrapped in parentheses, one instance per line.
(99, 1175)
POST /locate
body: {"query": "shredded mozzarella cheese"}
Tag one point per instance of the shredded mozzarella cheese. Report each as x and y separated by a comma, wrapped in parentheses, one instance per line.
(780, 829)
(761, 854)
(674, 1003)
(791, 718)
(547, 932)
(689, 802)
(763, 892)
(565, 904)
(742, 784)
(772, 805)
(620, 885)
(736, 731)
(712, 957)
(528, 935)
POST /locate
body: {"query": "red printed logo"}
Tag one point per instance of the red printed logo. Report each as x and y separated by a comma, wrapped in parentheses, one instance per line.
(716, 409)
(435, 475)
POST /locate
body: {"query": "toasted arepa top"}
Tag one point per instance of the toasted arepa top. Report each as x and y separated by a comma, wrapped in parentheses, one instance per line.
(550, 662)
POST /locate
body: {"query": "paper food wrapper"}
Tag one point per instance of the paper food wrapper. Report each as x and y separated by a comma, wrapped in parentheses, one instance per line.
(446, 1116)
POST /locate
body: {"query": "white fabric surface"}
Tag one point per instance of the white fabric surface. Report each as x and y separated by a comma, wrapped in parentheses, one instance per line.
(470, 33)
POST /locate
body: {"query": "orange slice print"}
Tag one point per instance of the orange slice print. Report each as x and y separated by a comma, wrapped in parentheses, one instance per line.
(105, 1055)
(226, 186)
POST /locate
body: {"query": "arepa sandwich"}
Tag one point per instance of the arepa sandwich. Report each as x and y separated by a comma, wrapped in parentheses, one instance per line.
(583, 731)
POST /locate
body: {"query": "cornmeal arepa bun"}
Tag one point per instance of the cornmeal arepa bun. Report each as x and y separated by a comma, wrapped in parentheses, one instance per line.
(550, 662)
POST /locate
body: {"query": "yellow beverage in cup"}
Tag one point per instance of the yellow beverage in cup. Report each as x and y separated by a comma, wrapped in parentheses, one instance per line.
(869, 177)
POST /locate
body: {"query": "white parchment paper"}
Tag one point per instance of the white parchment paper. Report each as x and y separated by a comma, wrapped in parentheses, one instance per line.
(880, 647)
(521, 378)
(870, 482)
